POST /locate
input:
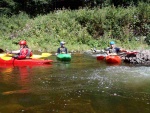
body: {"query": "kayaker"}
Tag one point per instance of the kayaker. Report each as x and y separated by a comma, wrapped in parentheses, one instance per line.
(23, 53)
(113, 50)
(62, 49)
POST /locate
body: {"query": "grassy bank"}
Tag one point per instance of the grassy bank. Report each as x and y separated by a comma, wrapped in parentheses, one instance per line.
(81, 29)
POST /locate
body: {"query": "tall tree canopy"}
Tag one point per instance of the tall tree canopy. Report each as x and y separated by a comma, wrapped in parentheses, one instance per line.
(34, 7)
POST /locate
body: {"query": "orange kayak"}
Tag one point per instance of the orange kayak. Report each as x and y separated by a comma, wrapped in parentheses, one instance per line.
(113, 59)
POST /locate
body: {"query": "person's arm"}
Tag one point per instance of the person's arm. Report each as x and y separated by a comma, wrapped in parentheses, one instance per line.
(122, 50)
(58, 51)
(15, 52)
(66, 50)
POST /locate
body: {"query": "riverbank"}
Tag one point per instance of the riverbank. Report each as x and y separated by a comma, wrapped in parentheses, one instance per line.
(81, 29)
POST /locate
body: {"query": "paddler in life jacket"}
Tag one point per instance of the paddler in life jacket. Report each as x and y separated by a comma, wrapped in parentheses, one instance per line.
(62, 49)
(23, 53)
(113, 50)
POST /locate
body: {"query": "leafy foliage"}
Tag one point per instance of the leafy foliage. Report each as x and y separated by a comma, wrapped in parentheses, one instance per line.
(81, 29)
(147, 39)
(36, 7)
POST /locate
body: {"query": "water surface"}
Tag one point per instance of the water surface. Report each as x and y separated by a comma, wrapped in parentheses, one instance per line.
(83, 85)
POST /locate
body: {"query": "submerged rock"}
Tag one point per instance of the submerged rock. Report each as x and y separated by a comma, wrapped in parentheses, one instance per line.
(142, 57)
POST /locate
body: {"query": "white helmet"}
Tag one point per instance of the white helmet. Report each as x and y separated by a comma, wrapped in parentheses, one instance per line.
(62, 42)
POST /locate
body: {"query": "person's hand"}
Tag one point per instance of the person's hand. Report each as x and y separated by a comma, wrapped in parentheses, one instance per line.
(8, 52)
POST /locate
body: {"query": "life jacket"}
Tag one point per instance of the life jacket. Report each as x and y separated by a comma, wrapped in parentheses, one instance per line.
(113, 50)
(62, 50)
(25, 53)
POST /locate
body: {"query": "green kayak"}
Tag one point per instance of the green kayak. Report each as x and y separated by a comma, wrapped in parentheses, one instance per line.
(64, 57)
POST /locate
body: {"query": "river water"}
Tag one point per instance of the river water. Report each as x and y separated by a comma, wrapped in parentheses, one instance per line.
(83, 85)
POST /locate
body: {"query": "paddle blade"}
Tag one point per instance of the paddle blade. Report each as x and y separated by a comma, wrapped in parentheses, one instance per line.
(1, 55)
(36, 56)
(6, 58)
(43, 55)
(46, 54)
(6, 55)
(9, 55)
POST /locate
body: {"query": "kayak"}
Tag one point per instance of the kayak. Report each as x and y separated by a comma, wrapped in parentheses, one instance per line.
(113, 59)
(110, 59)
(24, 61)
(64, 57)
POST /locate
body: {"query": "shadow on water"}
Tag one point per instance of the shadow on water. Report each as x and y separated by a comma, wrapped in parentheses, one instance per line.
(83, 85)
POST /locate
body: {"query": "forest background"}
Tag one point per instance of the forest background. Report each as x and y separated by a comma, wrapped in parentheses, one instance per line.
(82, 24)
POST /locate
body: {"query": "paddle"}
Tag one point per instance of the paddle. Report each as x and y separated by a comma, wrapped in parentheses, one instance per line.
(46, 54)
(6, 58)
(43, 55)
(128, 54)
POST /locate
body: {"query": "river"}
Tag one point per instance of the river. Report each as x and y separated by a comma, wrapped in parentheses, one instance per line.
(83, 85)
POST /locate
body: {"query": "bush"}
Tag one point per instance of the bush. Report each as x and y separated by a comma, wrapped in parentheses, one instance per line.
(81, 28)
(147, 39)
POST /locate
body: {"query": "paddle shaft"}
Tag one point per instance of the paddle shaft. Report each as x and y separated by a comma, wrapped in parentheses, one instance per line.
(43, 55)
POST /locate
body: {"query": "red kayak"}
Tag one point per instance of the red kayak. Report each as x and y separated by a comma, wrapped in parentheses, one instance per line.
(113, 59)
(25, 62)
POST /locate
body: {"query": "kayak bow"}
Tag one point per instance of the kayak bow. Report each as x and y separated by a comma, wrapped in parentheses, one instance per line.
(64, 57)
(113, 59)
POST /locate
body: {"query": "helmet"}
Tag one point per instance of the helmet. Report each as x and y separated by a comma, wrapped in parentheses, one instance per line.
(112, 43)
(23, 42)
(62, 42)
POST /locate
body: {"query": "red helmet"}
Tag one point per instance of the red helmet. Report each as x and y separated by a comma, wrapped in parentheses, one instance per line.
(23, 42)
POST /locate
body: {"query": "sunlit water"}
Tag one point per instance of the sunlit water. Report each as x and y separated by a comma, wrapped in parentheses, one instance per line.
(83, 85)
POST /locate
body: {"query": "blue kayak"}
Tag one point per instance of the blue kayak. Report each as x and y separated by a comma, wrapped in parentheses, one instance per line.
(64, 57)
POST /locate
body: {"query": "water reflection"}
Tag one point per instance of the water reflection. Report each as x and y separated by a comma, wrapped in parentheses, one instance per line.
(17, 76)
(62, 65)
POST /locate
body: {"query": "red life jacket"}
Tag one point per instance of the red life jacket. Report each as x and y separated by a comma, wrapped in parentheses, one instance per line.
(25, 53)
